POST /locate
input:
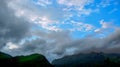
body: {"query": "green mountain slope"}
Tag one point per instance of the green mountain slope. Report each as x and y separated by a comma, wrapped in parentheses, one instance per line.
(4, 56)
(34, 60)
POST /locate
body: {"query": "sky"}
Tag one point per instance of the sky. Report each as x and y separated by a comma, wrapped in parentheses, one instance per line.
(57, 28)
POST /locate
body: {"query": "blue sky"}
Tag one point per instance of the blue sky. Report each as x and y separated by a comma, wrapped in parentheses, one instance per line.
(56, 28)
(86, 14)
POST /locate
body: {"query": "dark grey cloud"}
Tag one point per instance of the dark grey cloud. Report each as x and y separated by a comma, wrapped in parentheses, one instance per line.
(114, 38)
(11, 28)
(34, 45)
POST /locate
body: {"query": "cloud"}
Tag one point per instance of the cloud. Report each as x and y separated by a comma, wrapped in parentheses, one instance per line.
(80, 26)
(12, 29)
(104, 27)
(80, 3)
(10, 46)
(113, 39)
(43, 2)
(110, 44)
(78, 6)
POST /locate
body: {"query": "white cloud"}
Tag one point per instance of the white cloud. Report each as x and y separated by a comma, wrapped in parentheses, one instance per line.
(78, 6)
(43, 2)
(10, 46)
(89, 27)
(97, 30)
(104, 26)
(80, 3)
(80, 26)
(46, 23)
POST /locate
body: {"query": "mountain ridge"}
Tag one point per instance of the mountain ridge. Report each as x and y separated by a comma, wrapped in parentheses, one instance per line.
(89, 60)
(33, 60)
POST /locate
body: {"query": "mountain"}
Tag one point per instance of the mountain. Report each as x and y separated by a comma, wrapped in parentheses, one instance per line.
(89, 60)
(5, 59)
(34, 60)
